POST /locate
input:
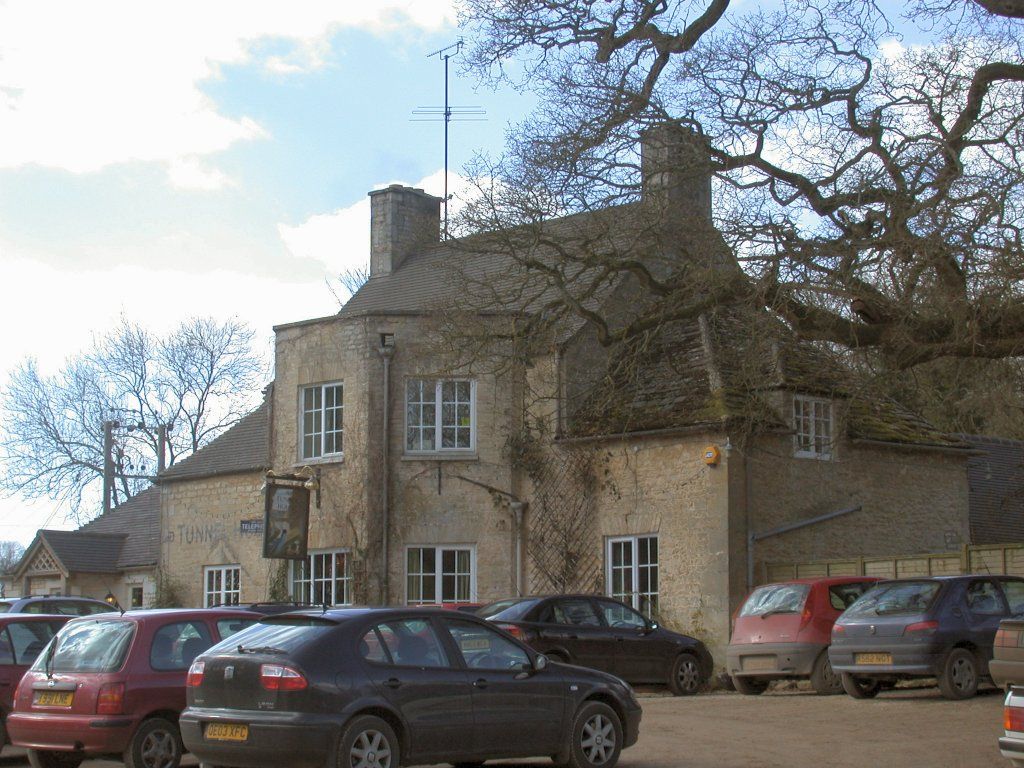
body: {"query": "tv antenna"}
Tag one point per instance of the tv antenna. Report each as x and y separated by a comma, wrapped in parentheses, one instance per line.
(460, 114)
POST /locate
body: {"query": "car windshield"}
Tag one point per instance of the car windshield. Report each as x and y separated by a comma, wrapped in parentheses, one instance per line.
(895, 597)
(5, 607)
(283, 633)
(88, 646)
(776, 598)
(507, 610)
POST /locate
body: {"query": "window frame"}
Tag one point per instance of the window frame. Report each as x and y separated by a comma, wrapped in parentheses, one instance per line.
(209, 570)
(634, 599)
(799, 449)
(438, 417)
(322, 411)
(438, 574)
(347, 580)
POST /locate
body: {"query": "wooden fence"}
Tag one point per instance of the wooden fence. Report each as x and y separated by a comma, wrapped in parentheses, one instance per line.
(987, 558)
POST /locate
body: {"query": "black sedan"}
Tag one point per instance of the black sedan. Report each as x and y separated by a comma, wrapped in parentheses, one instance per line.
(385, 687)
(940, 626)
(604, 634)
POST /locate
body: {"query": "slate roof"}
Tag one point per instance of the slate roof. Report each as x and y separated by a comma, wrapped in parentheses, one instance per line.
(139, 518)
(243, 448)
(81, 552)
(995, 476)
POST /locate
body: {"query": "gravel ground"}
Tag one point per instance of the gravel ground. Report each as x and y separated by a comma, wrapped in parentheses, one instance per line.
(900, 729)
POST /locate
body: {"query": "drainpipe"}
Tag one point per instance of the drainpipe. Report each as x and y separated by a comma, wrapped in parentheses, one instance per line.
(387, 351)
(753, 538)
(517, 508)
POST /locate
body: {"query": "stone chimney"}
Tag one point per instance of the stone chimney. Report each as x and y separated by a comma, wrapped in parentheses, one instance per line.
(402, 219)
(676, 170)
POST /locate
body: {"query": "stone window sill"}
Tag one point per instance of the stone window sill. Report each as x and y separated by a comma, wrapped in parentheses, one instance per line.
(441, 456)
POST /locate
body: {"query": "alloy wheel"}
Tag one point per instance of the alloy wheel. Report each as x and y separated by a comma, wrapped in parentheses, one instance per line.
(370, 750)
(963, 674)
(159, 750)
(688, 675)
(598, 739)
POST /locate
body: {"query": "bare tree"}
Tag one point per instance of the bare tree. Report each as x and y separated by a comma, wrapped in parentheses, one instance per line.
(870, 191)
(349, 281)
(10, 555)
(200, 378)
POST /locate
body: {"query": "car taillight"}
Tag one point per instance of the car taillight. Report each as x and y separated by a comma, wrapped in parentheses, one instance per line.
(838, 629)
(516, 631)
(1013, 718)
(805, 617)
(195, 674)
(276, 677)
(110, 700)
(1008, 638)
(921, 628)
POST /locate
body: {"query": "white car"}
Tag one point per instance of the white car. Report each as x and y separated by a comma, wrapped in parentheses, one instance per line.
(1012, 744)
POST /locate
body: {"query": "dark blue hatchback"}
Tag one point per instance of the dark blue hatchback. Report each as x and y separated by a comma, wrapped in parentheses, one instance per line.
(941, 627)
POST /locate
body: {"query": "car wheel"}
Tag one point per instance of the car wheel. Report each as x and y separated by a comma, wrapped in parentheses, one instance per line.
(959, 676)
(596, 738)
(686, 677)
(156, 744)
(749, 686)
(860, 687)
(368, 742)
(824, 680)
(48, 758)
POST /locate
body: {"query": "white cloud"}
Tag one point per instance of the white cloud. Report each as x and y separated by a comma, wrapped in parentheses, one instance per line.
(84, 85)
(190, 173)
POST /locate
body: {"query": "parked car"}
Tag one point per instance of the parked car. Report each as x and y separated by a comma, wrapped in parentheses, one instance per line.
(22, 637)
(1011, 745)
(274, 608)
(1007, 665)
(605, 634)
(112, 685)
(783, 631)
(55, 605)
(388, 687)
(941, 627)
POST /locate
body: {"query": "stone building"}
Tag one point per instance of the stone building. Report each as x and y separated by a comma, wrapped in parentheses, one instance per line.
(116, 554)
(663, 481)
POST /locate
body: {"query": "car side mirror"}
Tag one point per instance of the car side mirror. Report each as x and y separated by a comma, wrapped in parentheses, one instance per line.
(649, 627)
(540, 663)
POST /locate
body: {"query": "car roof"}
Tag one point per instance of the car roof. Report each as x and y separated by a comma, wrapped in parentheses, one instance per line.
(828, 580)
(351, 612)
(145, 614)
(6, 618)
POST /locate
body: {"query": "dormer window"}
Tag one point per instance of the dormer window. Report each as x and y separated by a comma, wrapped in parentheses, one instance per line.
(812, 425)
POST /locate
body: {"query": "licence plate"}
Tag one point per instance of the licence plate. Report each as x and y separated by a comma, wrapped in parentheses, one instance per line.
(226, 732)
(55, 698)
(757, 663)
(872, 658)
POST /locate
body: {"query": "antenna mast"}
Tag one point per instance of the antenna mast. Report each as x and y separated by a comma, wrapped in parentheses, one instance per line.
(446, 113)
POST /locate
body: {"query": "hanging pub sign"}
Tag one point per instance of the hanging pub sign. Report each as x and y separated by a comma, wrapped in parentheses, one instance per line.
(286, 518)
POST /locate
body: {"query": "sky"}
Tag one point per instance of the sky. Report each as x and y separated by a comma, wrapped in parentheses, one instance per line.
(165, 160)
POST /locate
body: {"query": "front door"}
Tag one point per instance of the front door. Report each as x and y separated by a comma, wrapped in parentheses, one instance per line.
(413, 671)
(517, 711)
(637, 656)
(571, 623)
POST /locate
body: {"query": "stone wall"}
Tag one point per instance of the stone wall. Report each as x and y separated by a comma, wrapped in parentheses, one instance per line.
(200, 526)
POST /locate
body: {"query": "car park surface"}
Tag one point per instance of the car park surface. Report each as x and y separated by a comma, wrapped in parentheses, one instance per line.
(388, 686)
(942, 627)
(605, 634)
(113, 684)
(783, 630)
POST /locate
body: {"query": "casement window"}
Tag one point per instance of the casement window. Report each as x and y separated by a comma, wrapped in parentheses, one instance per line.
(440, 415)
(439, 575)
(631, 572)
(223, 585)
(812, 425)
(321, 420)
(323, 578)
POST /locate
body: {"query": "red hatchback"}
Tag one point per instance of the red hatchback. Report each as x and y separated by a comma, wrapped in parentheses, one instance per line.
(783, 631)
(114, 685)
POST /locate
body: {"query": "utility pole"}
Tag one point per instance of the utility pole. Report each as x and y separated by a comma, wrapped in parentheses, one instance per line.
(161, 439)
(108, 464)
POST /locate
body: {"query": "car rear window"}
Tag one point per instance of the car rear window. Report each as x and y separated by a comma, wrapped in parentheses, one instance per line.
(88, 646)
(842, 596)
(776, 598)
(284, 633)
(904, 597)
(508, 610)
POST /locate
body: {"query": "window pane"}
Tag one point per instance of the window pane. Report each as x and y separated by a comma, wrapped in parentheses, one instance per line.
(415, 644)
(483, 648)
